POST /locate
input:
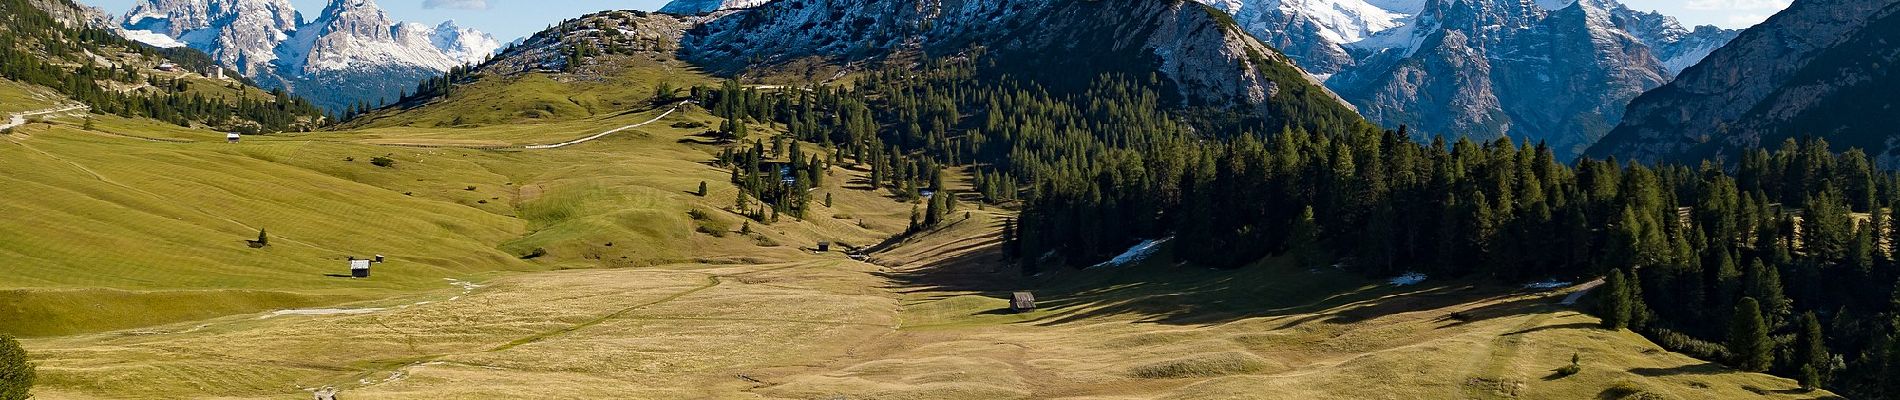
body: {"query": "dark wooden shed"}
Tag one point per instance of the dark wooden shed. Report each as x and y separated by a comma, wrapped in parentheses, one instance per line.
(1022, 302)
(359, 268)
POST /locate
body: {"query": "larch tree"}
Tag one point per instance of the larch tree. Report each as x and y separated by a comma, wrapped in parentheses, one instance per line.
(1748, 341)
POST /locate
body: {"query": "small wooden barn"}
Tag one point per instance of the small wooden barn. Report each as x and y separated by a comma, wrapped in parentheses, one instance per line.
(359, 268)
(1022, 302)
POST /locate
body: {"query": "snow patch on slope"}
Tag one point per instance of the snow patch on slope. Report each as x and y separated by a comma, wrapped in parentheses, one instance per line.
(153, 38)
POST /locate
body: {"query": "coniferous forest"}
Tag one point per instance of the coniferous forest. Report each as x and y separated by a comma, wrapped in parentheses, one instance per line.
(37, 49)
(1781, 262)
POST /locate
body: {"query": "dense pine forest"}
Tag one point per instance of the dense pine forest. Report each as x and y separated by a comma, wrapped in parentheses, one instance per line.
(37, 49)
(1782, 262)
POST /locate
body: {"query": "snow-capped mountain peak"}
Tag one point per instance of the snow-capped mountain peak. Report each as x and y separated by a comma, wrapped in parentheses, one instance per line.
(269, 40)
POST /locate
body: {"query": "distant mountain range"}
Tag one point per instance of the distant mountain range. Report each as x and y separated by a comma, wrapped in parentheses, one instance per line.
(1558, 71)
(351, 53)
(1821, 68)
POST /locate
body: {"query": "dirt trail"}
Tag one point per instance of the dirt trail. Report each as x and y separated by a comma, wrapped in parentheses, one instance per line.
(1581, 290)
(676, 107)
(20, 118)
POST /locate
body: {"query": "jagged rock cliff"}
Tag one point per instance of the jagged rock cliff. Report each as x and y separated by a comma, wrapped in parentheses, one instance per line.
(1821, 67)
(1482, 68)
(352, 52)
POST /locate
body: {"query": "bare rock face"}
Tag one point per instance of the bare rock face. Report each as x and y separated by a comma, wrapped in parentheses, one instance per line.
(239, 33)
(1821, 67)
(1482, 68)
(1199, 51)
(622, 31)
(351, 53)
(708, 6)
(74, 14)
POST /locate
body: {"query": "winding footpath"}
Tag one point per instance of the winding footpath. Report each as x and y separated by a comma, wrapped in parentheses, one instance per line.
(676, 107)
(20, 119)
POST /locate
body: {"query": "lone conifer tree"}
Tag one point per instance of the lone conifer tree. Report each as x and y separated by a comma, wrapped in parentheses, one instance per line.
(1616, 304)
(16, 375)
(263, 238)
(1748, 340)
(702, 189)
(1810, 351)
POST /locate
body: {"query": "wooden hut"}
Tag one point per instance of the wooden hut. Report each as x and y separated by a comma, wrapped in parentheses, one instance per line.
(359, 268)
(1022, 302)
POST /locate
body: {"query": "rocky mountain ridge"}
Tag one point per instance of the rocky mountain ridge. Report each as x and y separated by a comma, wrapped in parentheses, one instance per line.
(351, 53)
(1198, 50)
(1482, 68)
(1820, 68)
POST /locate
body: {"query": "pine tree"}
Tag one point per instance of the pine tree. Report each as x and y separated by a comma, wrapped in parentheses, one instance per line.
(1810, 352)
(1764, 283)
(1615, 303)
(702, 189)
(1748, 340)
(263, 238)
(16, 374)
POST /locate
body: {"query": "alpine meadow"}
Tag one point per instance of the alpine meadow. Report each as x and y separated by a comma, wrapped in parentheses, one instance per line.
(948, 199)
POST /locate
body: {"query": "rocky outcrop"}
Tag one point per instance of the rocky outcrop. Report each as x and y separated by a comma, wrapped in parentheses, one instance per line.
(623, 31)
(1821, 67)
(707, 6)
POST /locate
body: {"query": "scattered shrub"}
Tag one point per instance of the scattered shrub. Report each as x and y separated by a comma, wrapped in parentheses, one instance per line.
(1680, 343)
(1571, 369)
(381, 161)
(16, 374)
(536, 253)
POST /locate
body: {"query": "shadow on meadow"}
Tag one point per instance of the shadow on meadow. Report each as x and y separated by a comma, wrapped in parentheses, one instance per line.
(1158, 290)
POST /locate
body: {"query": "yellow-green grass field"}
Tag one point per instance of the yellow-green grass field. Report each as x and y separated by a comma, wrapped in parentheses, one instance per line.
(826, 327)
(107, 223)
(16, 97)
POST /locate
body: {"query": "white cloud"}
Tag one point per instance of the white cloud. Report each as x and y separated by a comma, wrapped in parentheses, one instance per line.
(455, 4)
(1737, 5)
(1746, 19)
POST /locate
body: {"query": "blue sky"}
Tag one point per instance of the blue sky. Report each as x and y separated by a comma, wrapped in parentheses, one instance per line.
(510, 19)
(506, 19)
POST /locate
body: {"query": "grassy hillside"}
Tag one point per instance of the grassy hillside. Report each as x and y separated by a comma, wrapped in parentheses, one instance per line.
(19, 97)
(135, 213)
(930, 325)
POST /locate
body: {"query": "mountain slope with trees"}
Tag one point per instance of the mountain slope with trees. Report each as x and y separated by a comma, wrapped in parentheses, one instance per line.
(113, 75)
(1820, 68)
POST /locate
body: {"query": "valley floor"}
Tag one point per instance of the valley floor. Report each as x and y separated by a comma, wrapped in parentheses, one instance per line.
(828, 327)
(757, 317)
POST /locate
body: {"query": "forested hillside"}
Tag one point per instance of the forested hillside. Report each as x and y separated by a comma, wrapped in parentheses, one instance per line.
(1689, 248)
(114, 75)
(1804, 233)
